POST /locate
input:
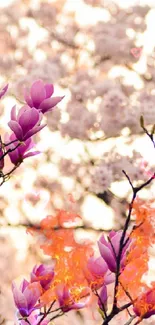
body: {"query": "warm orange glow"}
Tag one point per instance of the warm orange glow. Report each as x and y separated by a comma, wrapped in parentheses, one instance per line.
(71, 257)
(137, 258)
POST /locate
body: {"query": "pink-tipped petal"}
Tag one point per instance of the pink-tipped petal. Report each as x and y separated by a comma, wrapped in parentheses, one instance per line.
(97, 266)
(49, 103)
(28, 98)
(22, 110)
(38, 93)
(13, 113)
(24, 285)
(49, 90)
(28, 119)
(116, 241)
(30, 154)
(107, 256)
(32, 293)
(34, 131)
(19, 298)
(109, 277)
(103, 297)
(103, 241)
(16, 128)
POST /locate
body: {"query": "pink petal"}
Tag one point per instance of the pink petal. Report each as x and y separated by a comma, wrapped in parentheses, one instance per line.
(34, 131)
(103, 296)
(32, 293)
(103, 241)
(16, 128)
(107, 256)
(13, 113)
(49, 103)
(22, 110)
(28, 119)
(109, 277)
(38, 93)
(28, 98)
(49, 90)
(116, 241)
(14, 157)
(19, 298)
(30, 154)
(24, 285)
(97, 266)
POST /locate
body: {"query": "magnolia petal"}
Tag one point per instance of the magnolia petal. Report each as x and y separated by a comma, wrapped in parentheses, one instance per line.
(32, 293)
(35, 130)
(19, 299)
(109, 277)
(28, 98)
(38, 93)
(97, 266)
(103, 297)
(31, 154)
(107, 256)
(49, 103)
(16, 128)
(49, 90)
(13, 113)
(28, 119)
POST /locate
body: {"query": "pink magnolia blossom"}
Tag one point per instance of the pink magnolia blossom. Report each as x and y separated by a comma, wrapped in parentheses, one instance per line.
(145, 304)
(22, 152)
(44, 274)
(99, 272)
(26, 297)
(26, 123)
(40, 96)
(66, 300)
(109, 251)
(3, 90)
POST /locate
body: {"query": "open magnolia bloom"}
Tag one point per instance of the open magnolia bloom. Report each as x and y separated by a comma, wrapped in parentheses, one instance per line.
(26, 297)
(26, 123)
(99, 273)
(22, 152)
(109, 249)
(144, 307)
(69, 300)
(39, 96)
(44, 274)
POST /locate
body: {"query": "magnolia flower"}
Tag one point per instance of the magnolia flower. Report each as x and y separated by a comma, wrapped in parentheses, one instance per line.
(44, 274)
(26, 123)
(99, 272)
(66, 299)
(26, 297)
(40, 96)
(145, 304)
(20, 153)
(3, 91)
(109, 250)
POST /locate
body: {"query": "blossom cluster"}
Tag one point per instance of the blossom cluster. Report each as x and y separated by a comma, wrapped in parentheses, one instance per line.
(26, 123)
(75, 275)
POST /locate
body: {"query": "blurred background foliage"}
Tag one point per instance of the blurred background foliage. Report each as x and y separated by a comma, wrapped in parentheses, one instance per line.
(100, 55)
